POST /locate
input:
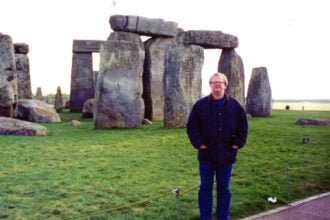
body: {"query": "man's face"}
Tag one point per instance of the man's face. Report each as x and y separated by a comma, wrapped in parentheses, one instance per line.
(217, 84)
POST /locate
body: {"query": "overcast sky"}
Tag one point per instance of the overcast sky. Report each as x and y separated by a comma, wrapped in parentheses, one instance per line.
(288, 37)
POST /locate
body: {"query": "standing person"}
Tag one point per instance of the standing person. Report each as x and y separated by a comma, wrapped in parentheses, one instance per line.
(218, 128)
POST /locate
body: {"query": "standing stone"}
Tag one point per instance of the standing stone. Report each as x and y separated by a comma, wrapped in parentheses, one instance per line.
(259, 97)
(133, 38)
(153, 77)
(82, 76)
(87, 111)
(182, 83)
(23, 71)
(231, 65)
(58, 103)
(118, 100)
(8, 76)
(82, 84)
(39, 94)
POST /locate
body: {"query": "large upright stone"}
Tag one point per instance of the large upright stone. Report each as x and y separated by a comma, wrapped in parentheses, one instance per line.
(82, 75)
(118, 102)
(259, 97)
(231, 64)
(8, 76)
(38, 95)
(23, 71)
(153, 77)
(82, 84)
(58, 103)
(133, 38)
(143, 26)
(182, 83)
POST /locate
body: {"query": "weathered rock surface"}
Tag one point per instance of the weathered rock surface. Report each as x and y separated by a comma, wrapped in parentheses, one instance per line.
(82, 80)
(36, 111)
(118, 101)
(231, 64)
(209, 39)
(58, 103)
(313, 121)
(21, 48)
(8, 76)
(19, 127)
(259, 97)
(153, 77)
(87, 111)
(143, 26)
(38, 95)
(23, 76)
(86, 46)
(182, 83)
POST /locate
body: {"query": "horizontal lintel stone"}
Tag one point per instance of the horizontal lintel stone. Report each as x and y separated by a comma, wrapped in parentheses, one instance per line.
(154, 27)
(86, 46)
(209, 39)
(21, 48)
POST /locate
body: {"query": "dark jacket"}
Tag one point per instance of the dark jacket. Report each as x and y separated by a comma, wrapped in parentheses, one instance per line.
(219, 128)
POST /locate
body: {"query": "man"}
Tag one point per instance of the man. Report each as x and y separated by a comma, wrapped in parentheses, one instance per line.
(217, 127)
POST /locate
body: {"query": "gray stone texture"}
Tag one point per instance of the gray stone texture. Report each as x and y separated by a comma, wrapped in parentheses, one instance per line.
(21, 48)
(259, 97)
(143, 26)
(18, 127)
(153, 77)
(82, 83)
(313, 121)
(8, 76)
(38, 95)
(87, 111)
(23, 76)
(209, 39)
(133, 38)
(36, 111)
(182, 83)
(231, 64)
(118, 102)
(86, 46)
(127, 37)
(58, 103)
(6, 101)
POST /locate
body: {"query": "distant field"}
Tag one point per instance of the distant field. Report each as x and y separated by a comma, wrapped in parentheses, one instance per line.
(302, 105)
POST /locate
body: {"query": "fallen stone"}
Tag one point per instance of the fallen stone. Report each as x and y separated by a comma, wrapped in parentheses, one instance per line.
(313, 121)
(19, 127)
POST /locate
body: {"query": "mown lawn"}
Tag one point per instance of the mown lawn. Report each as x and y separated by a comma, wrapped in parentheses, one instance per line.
(83, 173)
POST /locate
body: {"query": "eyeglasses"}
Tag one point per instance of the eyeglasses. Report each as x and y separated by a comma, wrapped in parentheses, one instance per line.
(217, 82)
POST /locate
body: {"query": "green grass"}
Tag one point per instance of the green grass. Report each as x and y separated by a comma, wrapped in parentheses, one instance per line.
(83, 173)
(305, 105)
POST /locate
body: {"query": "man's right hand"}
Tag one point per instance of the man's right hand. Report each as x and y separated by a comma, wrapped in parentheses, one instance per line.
(203, 146)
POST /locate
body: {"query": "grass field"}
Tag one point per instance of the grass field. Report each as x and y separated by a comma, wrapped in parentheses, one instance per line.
(302, 105)
(83, 173)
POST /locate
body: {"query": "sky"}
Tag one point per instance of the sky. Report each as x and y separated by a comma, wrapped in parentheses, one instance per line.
(291, 38)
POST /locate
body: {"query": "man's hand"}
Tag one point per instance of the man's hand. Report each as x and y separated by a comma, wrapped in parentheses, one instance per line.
(235, 147)
(203, 146)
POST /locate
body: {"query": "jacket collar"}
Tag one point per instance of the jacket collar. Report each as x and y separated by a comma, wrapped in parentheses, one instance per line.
(212, 100)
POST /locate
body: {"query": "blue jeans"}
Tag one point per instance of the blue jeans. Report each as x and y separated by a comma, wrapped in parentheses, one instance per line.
(222, 174)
